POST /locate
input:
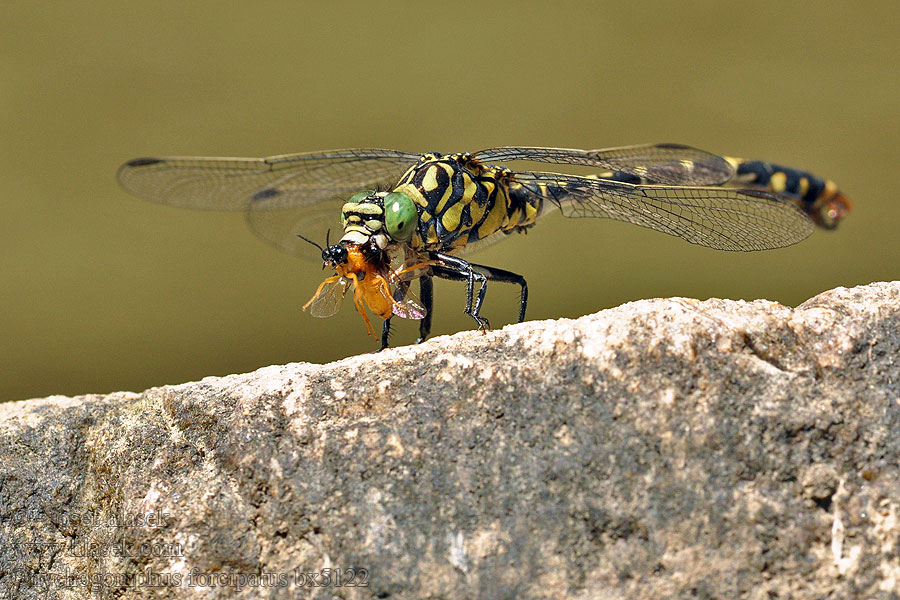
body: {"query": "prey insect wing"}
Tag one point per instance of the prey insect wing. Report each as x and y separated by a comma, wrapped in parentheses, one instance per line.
(329, 297)
(406, 304)
(409, 266)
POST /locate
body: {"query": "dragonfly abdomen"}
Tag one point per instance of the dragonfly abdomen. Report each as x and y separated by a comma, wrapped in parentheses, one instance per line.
(819, 198)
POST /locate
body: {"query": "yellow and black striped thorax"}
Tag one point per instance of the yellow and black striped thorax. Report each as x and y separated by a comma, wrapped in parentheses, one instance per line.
(461, 201)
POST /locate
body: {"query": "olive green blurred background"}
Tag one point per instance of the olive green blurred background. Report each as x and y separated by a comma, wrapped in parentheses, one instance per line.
(102, 292)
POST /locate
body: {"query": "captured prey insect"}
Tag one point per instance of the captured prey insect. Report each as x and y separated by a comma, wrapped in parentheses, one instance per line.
(385, 291)
(418, 214)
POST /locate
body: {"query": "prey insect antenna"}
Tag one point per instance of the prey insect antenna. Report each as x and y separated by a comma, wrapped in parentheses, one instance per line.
(305, 239)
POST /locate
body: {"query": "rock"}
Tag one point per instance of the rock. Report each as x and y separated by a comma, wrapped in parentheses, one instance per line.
(666, 448)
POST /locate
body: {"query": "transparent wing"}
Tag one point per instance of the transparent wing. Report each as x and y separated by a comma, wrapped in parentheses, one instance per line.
(673, 164)
(329, 297)
(406, 266)
(473, 247)
(406, 304)
(279, 227)
(285, 180)
(720, 218)
(303, 191)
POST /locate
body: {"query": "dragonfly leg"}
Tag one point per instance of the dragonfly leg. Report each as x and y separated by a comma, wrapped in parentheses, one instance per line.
(494, 274)
(457, 269)
(385, 332)
(426, 295)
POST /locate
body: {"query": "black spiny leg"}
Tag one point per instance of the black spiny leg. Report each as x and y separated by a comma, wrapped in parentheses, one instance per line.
(426, 295)
(493, 274)
(385, 332)
(457, 269)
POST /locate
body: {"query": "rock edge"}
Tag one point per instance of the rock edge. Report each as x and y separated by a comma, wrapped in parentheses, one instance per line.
(665, 448)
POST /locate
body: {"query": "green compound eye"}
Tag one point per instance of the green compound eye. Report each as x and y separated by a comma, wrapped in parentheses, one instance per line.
(359, 197)
(400, 215)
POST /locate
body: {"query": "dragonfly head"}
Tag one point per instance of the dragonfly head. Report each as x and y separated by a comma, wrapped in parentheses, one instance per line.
(377, 227)
(375, 224)
(384, 217)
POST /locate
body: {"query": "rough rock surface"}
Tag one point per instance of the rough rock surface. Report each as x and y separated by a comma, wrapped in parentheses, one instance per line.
(666, 448)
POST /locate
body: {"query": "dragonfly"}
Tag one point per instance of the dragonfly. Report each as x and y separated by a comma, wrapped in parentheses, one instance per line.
(415, 216)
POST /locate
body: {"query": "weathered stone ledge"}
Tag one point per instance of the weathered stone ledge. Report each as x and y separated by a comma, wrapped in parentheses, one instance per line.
(666, 448)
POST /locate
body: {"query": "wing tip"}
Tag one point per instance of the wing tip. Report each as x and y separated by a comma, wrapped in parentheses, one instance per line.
(674, 146)
(265, 194)
(145, 161)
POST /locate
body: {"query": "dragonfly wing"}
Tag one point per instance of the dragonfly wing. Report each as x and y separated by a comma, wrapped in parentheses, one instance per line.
(288, 179)
(282, 195)
(715, 217)
(473, 247)
(279, 227)
(673, 164)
